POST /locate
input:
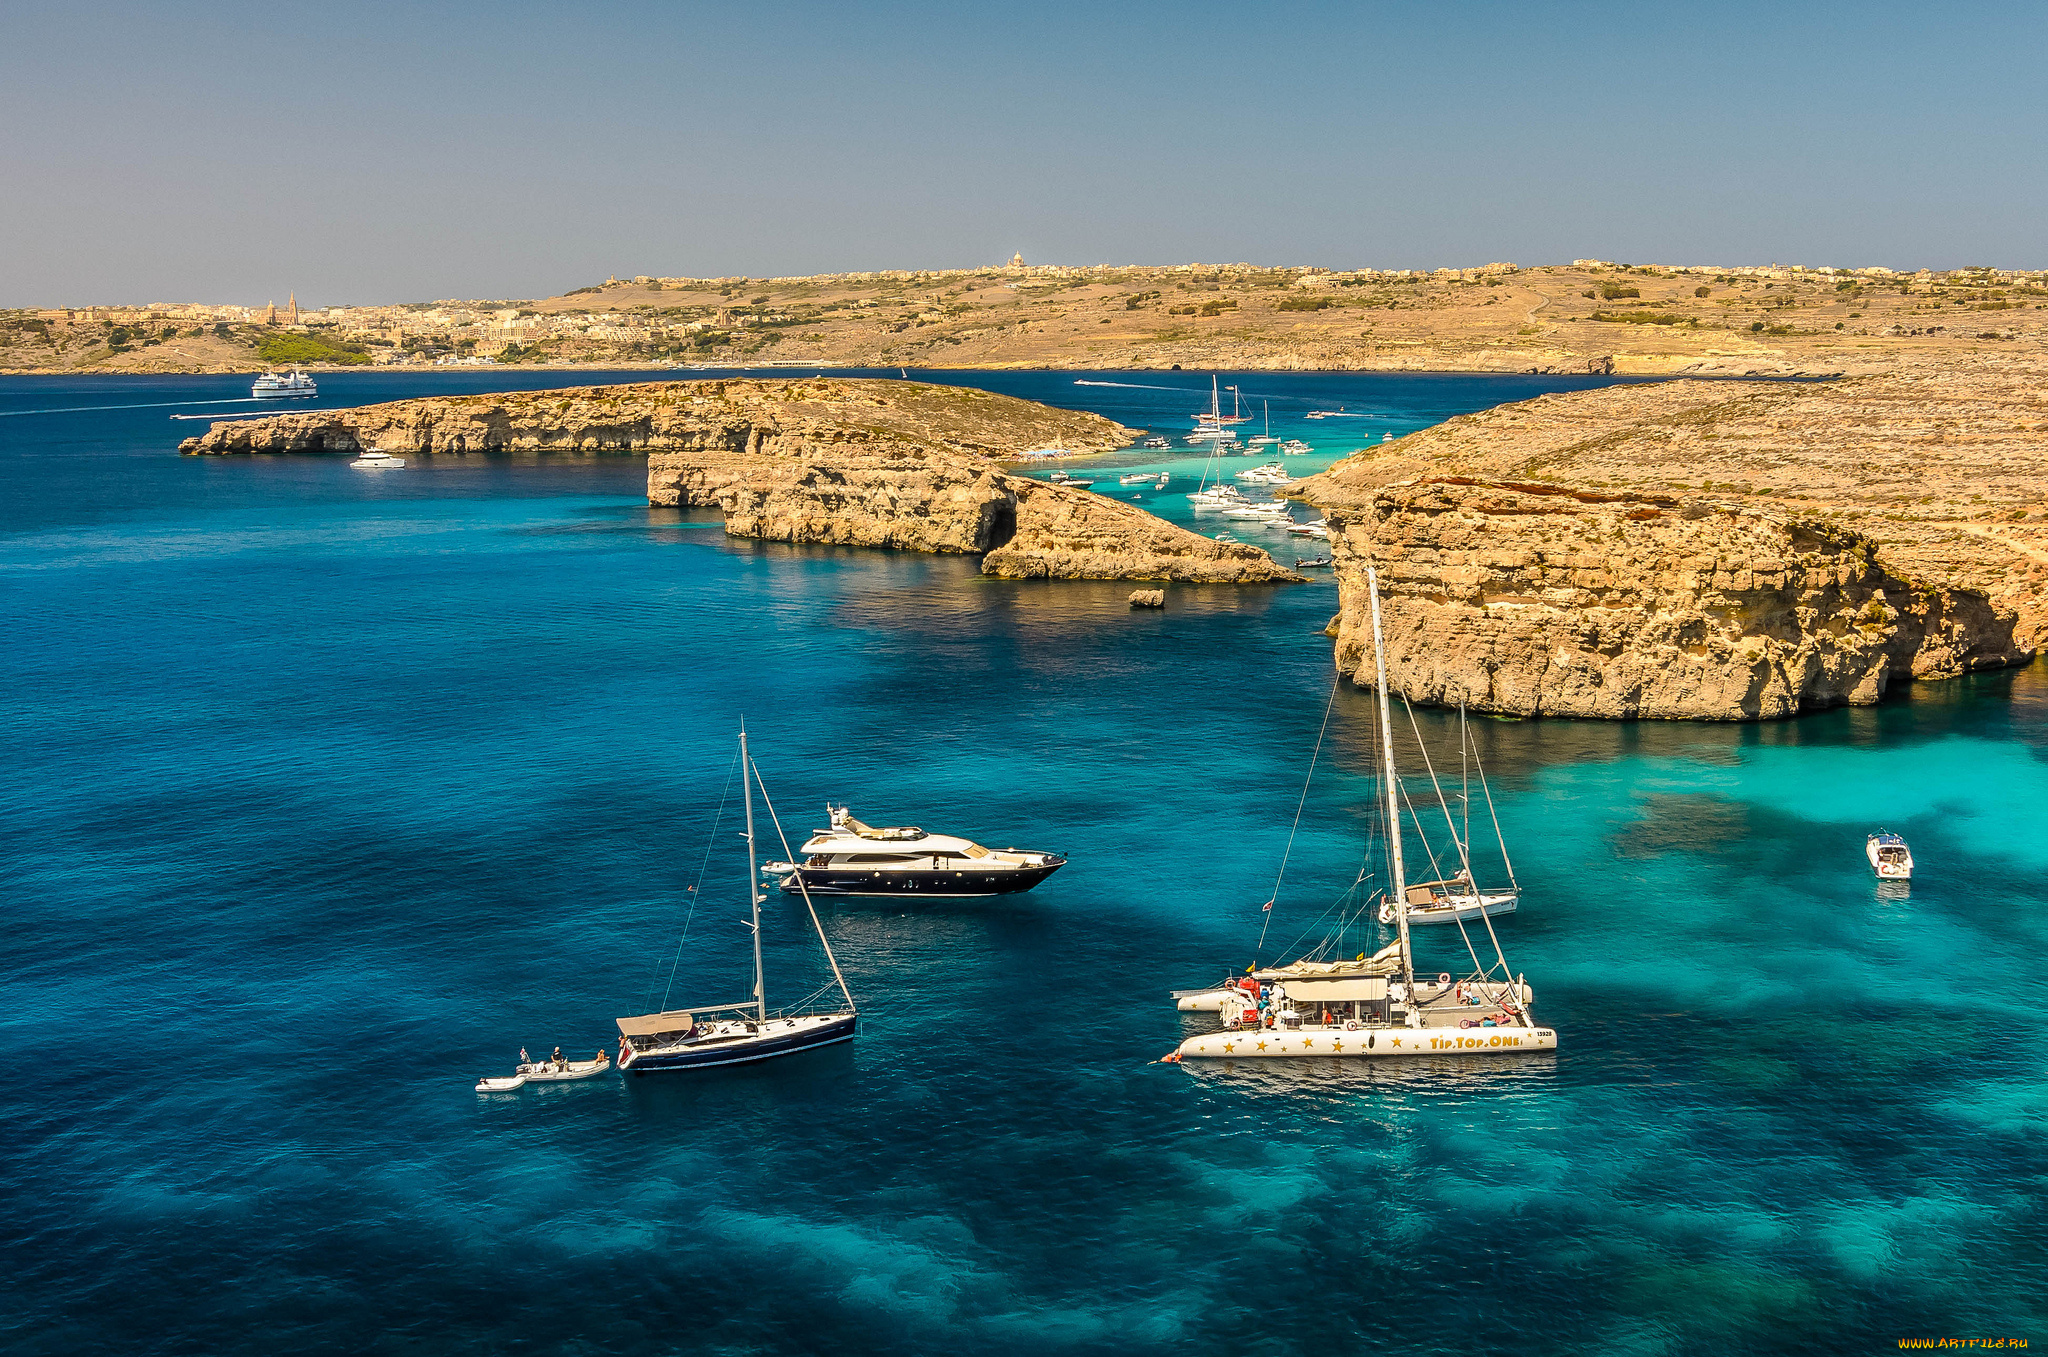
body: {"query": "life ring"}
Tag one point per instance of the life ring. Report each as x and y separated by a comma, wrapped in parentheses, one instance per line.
(1351, 1025)
(1443, 981)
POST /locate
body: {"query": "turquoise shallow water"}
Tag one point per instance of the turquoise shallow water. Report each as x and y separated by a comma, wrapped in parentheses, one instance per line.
(326, 792)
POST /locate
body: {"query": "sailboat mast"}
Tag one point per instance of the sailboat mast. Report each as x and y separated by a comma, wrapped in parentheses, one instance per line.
(1379, 653)
(753, 883)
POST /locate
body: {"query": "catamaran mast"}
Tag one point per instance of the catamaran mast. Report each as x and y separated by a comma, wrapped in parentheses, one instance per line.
(1379, 653)
(753, 884)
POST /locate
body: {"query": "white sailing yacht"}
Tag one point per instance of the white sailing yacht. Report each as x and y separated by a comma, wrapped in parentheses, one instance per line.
(1375, 1005)
(696, 1038)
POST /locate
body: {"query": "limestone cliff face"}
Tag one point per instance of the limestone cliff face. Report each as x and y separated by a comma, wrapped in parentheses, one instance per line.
(750, 416)
(1619, 553)
(1538, 601)
(884, 496)
(857, 463)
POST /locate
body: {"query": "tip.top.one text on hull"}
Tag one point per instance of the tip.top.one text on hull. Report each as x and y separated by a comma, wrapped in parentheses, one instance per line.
(698, 1037)
(851, 858)
(1376, 1005)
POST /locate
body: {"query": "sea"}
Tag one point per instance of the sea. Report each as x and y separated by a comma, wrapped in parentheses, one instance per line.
(327, 791)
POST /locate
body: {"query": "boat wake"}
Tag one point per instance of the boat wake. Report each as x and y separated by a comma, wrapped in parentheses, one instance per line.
(1134, 386)
(152, 405)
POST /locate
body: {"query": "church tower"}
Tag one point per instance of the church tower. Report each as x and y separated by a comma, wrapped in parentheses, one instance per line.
(292, 310)
(270, 314)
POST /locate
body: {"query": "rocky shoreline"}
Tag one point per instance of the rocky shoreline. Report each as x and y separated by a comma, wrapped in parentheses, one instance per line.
(1701, 551)
(907, 465)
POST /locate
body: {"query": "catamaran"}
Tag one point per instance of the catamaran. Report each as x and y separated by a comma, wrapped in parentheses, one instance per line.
(697, 1037)
(1374, 1005)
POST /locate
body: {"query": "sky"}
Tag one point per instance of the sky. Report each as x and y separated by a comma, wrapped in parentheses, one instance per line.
(366, 153)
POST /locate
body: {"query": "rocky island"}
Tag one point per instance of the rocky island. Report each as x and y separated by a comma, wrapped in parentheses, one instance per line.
(910, 465)
(1704, 550)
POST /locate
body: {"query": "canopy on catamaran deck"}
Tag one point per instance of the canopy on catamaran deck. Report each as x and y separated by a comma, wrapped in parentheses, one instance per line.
(1386, 961)
(1337, 991)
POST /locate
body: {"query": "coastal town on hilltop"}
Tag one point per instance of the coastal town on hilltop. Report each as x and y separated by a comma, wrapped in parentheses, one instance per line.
(1589, 315)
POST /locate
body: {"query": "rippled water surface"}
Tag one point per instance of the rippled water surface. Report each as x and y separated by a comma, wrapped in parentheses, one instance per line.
(326, 791)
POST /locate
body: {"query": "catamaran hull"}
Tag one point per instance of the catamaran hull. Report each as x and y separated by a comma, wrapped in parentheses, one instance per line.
(938, 884)
(767, 1046)
(1366, 1043)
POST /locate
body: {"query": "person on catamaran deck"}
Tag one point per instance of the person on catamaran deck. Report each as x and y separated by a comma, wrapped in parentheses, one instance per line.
(560, 1063)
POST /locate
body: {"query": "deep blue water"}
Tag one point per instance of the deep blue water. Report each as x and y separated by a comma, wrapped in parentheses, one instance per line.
(326, 791)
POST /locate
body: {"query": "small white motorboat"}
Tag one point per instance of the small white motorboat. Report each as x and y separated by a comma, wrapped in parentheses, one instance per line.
(556, 1071)
(1294, 447)
(1160, 484)
(1889, 856)
(1136, 478)
(1072, 482)
(378, 461)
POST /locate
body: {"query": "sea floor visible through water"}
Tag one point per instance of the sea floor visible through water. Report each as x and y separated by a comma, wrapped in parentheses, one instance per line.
(327, 791)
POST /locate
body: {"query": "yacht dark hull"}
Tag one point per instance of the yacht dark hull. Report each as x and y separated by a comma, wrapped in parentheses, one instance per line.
(937, 884)
(741, 1050)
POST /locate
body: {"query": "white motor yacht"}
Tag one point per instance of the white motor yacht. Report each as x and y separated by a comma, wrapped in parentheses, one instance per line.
(378, 461)
(1070, 481)
(1216, 499)
(1135, 478)
(851, 858)
(1294, 447)
(294, 383)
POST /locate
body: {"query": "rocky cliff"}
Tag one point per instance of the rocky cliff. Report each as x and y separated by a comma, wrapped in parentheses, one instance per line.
(1700, 550)
(860, 463)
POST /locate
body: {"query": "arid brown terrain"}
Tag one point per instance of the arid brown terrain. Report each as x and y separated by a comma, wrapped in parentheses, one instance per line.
(1553, 318)
(1704, 549)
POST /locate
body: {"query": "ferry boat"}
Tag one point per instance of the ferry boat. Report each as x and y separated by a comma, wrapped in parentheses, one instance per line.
(697, 1038)
(1889, 856)
(295, 383)
(1375, 1006)
(851, 858)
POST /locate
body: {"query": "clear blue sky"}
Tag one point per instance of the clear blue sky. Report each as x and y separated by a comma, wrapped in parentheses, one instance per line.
(383, 152)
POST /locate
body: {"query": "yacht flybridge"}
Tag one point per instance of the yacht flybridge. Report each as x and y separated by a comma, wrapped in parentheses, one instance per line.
(1375, 1004)
(851, 858)
(738, 1033)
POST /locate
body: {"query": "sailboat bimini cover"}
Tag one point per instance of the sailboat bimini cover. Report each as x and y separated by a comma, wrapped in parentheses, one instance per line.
(654, 1024)
(1337, 991)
